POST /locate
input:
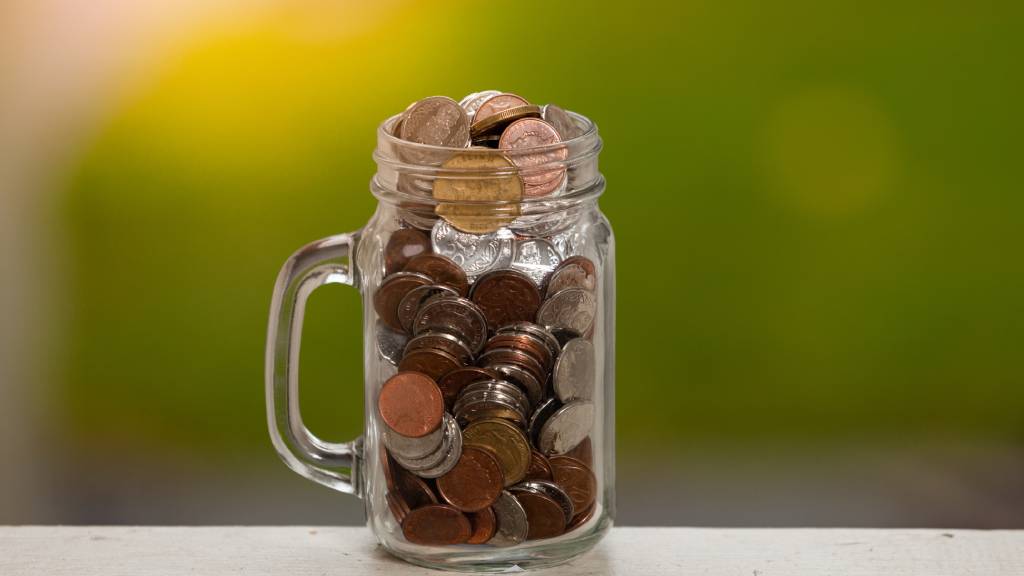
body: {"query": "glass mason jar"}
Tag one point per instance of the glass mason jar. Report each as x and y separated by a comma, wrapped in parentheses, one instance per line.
(489, 438)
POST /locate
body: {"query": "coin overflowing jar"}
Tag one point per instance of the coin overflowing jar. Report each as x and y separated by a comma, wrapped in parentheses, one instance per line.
(489, 325)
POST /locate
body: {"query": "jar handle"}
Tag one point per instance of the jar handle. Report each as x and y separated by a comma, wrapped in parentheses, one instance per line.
(325, 261)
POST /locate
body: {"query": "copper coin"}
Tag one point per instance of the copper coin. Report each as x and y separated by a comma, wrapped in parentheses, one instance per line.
(506, 296)
(430, 361)
(475, 482)
(414, 490)
(415, 299)
(524, 343)
(539, 468)
(390, 294)
(443, 270)
(573, 272)
(584, 452)
(452, 383)
(410, 403)
(403, 245)
(582, 517)
(496, 104)
(442, 341)
(438, 121)
(496, 356)
(537, 331)
(456, 316)
(484, 525)
(399, 509)
(529, 133)
(436, 525)
(576, 479)
(544, 516)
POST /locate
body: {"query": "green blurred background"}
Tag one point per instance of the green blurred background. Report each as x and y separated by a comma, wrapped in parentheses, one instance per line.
(816, 203)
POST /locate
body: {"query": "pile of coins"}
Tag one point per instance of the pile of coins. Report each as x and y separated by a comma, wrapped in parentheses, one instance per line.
(488, 414)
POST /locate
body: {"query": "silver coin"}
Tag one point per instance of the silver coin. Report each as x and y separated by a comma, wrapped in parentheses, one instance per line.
(457, 316)
(540, 417)
(472, 407)
(471, 103)
(566, 428)
(561, 120)
(568, 242)
(475, 253)
(451, 457)
(435, 458)
(515, 356)
(444, 342)
(503, 387)
(537, 331)
(522, 378)
(413, 448)
(545, 225)
(551, 490)
(535, 257)
(572, 274)
(574, 374)
(512, 523)
(411, 302)
(570, 309)
(437, 121)
(390, 342)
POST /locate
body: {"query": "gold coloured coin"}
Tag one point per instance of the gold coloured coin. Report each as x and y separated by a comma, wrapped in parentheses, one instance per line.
(506, 441)
(465, 181)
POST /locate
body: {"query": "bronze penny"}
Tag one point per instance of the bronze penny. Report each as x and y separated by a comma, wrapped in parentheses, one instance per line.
(452, 383)
(484, 524)
(415, 299)
(443, 270)
(524, 343)
(584, 452)
(582, 517)
(430, 361)
(576, 479)
(475, 482)
(442, 341)
(414, 490)
(527, 134)
(499, 103)
(573, 272)
(390, 294)
(539, 468)
(436, 525)
(438, 121)
(506, 296)
(544, 516)
(399, 509)
(402, 246)
(410, 403)
(512, 356)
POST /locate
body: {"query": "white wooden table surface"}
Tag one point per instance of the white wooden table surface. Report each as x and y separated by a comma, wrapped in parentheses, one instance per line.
(142, 551)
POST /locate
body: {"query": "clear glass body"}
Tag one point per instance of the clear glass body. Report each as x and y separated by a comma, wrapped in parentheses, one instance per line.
(568, 220)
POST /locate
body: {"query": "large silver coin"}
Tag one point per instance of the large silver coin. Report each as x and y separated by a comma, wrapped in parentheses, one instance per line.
(521, 377)
(475, 253)
(512, 524)
(570, 309)
(551, 490)
(438, 456)
(437, 121)
(451, 457)
(562, 121)
(390, 342)
(503, 387)
(418, 296)
(413, 448)
(540, 417)
(457, 316)
(478, 405)
(471, 103)
(535, 257)
(574, 374)
(566, 428)
(569, 242)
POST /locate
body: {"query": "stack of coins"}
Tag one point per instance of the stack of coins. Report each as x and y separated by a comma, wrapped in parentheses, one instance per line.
(487, 421)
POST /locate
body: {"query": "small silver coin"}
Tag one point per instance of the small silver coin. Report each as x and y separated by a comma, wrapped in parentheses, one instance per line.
(475, 253)
(512, 523)
(472, 407)
(574, 374)
(471, 103)
(535, 257)
(570, 309)
(435, 458)
(551, 490)
(522, 378)
(451, 457)
(566, 428)
(442, 341)
(454, 315)
(390, 342)
(417, 297)
(413, 448)
(540, 417)
(503, 387)
(562, 122)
